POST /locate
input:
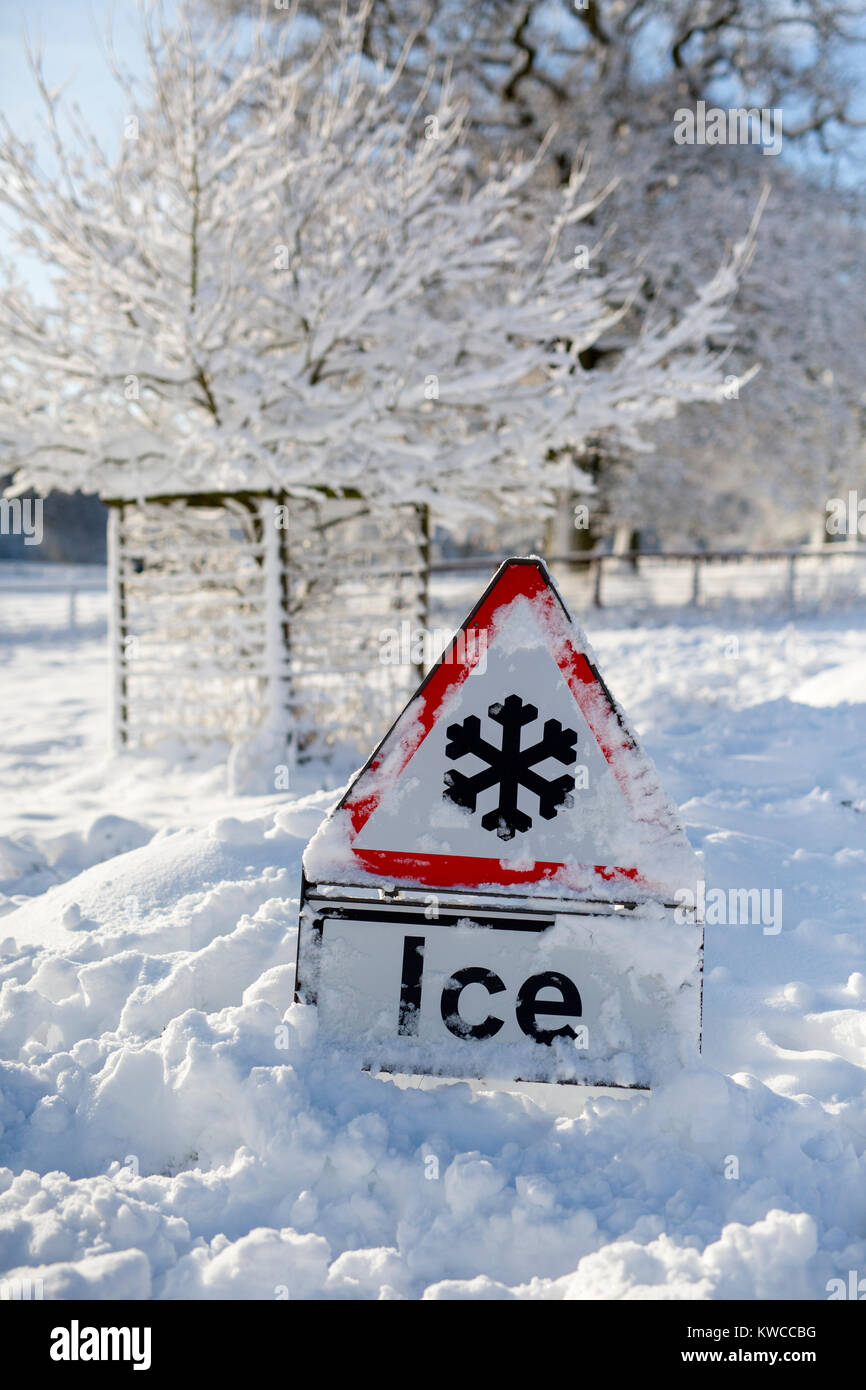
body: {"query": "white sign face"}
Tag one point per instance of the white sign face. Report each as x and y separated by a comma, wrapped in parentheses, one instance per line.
(512, 768)
(592, 821)
(511, 792)
(599, 999)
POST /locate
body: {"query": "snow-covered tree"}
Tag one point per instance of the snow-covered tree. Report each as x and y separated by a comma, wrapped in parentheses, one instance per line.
(608, 64)
(762, 463)
(613, 77)
(287, 277)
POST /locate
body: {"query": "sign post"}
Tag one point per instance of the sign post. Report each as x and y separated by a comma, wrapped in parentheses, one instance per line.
(499, 892)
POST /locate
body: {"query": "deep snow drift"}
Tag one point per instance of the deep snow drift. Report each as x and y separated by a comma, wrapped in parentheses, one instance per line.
(170, 1128)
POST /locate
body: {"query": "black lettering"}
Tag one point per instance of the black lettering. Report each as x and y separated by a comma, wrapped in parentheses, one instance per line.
(410, 985)
(472, 975)
(529, 1005)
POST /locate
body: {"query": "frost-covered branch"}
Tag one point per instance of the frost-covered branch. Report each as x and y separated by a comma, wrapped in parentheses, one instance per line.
(287, 278)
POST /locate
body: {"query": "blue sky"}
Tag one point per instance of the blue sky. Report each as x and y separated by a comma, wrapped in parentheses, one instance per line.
(71, 34)
(72, 37)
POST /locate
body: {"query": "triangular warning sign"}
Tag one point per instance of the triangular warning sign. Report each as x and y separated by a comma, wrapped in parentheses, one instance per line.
(512, 770)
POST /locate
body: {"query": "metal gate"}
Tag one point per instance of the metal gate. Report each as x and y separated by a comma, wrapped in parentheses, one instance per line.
(239, 614)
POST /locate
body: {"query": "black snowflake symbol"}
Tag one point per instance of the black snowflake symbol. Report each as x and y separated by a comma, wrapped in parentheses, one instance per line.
(509, 766)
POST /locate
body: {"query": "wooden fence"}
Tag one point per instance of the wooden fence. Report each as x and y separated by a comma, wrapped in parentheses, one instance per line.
(793, 577)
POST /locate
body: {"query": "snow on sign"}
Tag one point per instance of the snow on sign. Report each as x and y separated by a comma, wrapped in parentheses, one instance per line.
(496, 893)
(511, 770)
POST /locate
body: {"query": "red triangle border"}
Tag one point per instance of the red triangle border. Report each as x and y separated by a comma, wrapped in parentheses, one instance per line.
(527, 578)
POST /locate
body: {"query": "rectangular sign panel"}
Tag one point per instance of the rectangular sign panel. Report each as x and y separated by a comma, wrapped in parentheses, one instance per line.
(605, 998)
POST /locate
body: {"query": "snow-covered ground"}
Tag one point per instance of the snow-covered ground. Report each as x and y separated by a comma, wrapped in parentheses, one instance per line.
(165, 1135)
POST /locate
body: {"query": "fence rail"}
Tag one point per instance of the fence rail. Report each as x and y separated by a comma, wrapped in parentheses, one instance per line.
(48, 598)
(61, 599)
(794, 576)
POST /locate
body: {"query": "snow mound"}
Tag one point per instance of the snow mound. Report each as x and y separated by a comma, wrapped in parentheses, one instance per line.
(172, 1129)
(845, 684)
(171, 1126)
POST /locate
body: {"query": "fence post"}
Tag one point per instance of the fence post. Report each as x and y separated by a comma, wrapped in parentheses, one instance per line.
(276, 656)
(422, 515)
(792, 581)
(117, 628)
(696, 582)
(596, 596)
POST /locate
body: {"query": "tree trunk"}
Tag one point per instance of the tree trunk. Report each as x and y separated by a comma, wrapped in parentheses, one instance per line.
(566, 533)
